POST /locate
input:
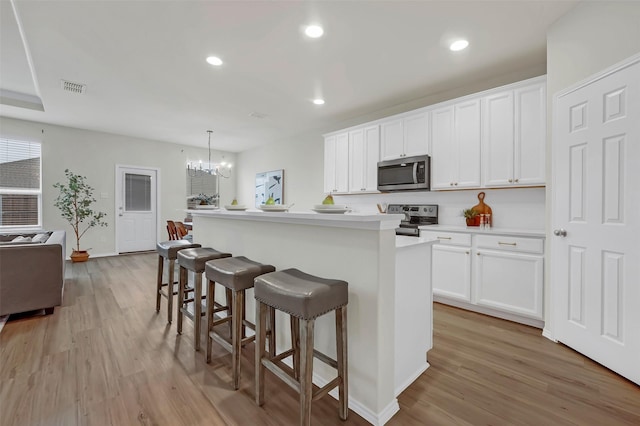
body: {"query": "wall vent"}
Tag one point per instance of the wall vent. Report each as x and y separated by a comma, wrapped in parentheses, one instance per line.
(70, 86)
(257, 115)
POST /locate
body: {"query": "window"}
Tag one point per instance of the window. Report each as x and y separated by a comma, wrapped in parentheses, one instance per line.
(20, 184)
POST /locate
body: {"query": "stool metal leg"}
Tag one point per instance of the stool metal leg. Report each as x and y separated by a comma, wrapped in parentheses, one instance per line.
(236, 335)
(197, 310)
(172, 265)
(261, 335)
(159, 282)
(306, 370)
(342, 360)
(182, 285)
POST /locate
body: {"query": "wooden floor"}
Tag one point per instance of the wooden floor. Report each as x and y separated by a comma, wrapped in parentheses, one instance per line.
(106, 358)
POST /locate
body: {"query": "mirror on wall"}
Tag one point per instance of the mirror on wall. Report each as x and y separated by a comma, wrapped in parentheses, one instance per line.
(202, 189)
(270, 184)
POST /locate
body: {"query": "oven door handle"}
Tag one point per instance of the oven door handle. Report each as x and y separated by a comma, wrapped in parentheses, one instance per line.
(415, 172)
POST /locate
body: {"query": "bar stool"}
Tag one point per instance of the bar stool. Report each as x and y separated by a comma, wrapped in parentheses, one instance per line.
(236, 274)
(304, 297)
(194, 260)
(169, 250)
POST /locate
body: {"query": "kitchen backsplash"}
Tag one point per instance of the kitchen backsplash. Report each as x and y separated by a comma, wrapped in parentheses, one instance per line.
(519, 208)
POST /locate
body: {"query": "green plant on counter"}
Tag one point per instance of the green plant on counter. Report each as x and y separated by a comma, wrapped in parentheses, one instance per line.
(469, 213)
(205, 199)
(75, 202)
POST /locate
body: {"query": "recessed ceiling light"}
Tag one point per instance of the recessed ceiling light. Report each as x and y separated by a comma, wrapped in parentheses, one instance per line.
(214, 60)
(318, 101)
(459, 45)
(314, 31)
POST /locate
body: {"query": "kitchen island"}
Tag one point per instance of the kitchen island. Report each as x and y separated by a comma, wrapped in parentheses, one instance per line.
(387, 346)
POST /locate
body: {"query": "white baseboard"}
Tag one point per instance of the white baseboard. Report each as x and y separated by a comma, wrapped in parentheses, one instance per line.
(489, 311)
(376, 419)
(412, 378)
(549, 335)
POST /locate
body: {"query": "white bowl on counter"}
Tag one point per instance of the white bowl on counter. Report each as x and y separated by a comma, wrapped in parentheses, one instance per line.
(330, 206)
(237, 207)
(274, 207)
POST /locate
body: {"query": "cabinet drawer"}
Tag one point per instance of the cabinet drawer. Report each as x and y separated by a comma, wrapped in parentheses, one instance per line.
(454, 238)
(502, 242)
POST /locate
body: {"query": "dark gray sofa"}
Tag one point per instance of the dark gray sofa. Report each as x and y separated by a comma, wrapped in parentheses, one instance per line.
(31, 273)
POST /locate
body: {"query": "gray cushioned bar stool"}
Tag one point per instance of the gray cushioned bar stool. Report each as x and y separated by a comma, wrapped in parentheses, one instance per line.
(304, 297)
(194, 259)
(237, 275)
(169, 250)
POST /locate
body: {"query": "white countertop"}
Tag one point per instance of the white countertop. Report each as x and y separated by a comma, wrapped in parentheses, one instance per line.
(493, 231)
(340, 220)
(408, 241)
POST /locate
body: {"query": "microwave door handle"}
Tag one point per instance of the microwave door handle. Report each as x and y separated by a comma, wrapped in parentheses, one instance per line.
(415, 172)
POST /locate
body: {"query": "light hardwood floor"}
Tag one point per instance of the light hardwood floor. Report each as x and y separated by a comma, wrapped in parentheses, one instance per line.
(105, 357)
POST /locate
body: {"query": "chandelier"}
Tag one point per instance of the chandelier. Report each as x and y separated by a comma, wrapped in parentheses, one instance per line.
(222, 169)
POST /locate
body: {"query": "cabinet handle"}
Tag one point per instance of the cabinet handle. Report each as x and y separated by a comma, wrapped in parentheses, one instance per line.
(517, 180)
(450, 183)
(456, 183)
(510, 180)
(443, 238)
(506, 244)
(478, 254)
(466, 252)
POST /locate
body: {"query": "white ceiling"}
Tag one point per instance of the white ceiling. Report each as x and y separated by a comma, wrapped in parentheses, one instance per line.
(144, 61)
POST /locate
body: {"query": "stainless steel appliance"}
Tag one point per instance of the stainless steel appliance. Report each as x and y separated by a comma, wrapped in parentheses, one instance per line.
(408, 173)
(415, 215)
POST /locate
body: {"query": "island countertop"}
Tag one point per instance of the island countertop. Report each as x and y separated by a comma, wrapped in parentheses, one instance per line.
(340, 220)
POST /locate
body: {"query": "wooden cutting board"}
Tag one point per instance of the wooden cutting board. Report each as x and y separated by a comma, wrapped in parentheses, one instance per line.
(482, 208)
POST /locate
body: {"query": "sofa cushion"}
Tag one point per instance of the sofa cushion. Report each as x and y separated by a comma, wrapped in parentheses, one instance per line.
(21, 239)
(41, 238)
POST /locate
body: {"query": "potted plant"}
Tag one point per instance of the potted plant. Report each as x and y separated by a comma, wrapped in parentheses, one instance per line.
(75, 202)
(471, 217)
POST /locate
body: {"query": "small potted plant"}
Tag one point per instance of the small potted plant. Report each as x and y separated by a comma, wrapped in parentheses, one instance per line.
(75, 202)
(471, 217)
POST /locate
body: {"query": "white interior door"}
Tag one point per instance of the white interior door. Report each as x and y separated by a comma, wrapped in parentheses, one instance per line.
(595, 254)
(136, 195)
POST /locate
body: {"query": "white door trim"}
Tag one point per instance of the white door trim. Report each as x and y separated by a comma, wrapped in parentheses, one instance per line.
(118, 167)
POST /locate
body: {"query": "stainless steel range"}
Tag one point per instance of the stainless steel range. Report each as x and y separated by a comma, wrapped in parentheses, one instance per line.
(415, 215)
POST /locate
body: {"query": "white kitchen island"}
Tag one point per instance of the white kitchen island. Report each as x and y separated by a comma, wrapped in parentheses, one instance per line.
(389, 310)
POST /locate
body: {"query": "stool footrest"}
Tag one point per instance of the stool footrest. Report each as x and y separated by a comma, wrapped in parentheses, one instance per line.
(326, 388)
(217, 322)
(324, 358)
(282, 375)
(283, 355)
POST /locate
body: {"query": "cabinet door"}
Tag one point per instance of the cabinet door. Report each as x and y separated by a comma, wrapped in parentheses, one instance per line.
(392, 140)
(497, 141)
(371, 157)
(356, 160)
(329, 164)
(467, 140)
(342, 163)
(442, 148)
(510, 282)
(530, 135)
(416, 141)
(451, 272)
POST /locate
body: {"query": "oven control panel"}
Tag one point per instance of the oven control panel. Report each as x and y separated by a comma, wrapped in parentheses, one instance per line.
(415, 210)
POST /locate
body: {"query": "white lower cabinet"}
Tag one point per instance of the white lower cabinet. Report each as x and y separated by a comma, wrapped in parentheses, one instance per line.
(451, 271)
(498, 275)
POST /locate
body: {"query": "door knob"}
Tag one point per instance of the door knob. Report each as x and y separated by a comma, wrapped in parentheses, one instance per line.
(560, 232)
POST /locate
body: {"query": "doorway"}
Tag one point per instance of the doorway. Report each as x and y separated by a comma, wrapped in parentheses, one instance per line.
(137, 209)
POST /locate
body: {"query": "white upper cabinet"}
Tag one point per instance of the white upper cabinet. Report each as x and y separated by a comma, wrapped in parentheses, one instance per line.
(364, 152)
(514, 136)
(405, 137)
(455, 144)
(336, 163)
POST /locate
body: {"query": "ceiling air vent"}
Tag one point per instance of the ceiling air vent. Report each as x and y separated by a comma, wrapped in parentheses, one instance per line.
(70, 86)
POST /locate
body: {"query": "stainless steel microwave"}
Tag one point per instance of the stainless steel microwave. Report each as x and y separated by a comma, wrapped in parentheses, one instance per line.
(403, 174)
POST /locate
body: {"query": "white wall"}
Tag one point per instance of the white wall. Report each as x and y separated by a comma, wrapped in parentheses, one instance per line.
(95, 155)
(589, 38)
(302, 157)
